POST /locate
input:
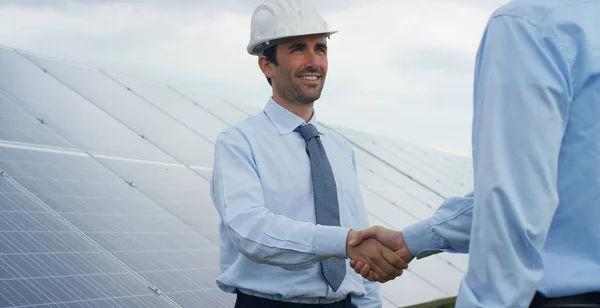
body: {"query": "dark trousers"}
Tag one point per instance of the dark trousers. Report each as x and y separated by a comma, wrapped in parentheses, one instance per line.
(249, 301)
(587, 300)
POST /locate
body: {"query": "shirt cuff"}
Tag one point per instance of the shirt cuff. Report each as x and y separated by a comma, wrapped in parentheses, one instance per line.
(330, 241)
(419, 238)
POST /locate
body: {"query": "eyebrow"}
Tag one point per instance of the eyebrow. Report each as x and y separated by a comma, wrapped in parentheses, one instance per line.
(321, 45)
(297, 45)
(303, 45)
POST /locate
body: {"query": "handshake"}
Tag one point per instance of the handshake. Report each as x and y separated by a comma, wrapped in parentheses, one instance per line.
(377, 253)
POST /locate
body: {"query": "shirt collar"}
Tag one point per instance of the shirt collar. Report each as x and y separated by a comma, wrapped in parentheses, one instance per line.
(284, 120)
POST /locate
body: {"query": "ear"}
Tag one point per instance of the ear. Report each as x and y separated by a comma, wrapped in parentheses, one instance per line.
(265, 66)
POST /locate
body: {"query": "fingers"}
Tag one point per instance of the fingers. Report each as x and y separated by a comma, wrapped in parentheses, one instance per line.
(399, 264)
(363, 269)
(373, 260)
(387, 270)
(387, 265)
(404, 253)
(367, 273)
(379, 274)
(358, 266)
(363, 235)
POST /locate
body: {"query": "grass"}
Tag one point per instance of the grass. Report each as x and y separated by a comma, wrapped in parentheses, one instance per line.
(440, 303)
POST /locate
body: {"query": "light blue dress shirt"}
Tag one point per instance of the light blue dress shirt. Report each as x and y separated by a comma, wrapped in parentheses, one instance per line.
(262, 188)
(534, 215)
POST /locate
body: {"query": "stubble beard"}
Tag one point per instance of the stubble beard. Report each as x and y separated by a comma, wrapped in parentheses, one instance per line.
(295, 94)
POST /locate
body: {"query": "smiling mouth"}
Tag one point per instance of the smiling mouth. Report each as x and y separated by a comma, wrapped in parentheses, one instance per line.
(310, 78)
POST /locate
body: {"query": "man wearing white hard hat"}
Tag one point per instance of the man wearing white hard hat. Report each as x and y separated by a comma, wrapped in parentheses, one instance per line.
(286, 187)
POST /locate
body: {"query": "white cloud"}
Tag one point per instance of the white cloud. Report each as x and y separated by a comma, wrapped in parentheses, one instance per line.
(399, 68)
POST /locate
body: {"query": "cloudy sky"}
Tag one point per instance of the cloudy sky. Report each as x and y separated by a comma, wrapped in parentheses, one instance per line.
(397, 68)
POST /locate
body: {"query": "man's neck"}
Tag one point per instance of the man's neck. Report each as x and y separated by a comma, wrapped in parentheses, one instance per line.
(303, 111)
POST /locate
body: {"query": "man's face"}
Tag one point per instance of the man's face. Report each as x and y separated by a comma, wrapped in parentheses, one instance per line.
(300, 74)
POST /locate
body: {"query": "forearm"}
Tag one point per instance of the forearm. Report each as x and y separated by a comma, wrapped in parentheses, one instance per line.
(447, 230)
(277, 240)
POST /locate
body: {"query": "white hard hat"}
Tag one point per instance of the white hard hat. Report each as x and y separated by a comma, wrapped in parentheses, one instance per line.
(275, 20)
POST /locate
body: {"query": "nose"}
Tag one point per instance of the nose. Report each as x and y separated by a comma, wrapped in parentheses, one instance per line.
(313, 60)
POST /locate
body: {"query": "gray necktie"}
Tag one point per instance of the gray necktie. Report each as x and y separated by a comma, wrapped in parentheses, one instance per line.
(326, 202)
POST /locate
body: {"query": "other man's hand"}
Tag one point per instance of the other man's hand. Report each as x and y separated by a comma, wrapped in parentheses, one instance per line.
(384, 264)
(394, 240)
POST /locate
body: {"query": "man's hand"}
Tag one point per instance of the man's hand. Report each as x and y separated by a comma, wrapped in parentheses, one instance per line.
(390, 238)
(384, 263)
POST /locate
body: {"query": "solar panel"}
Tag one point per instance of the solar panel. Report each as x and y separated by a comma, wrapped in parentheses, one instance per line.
(449, 167)
(18, 126)
(191, 114)
(175, 187)
(67, 113)
(249, 109)
(434, 164)
(44, 260)
(387, 174)
(431, 178)
(129, 225)
(158, 127)
(221, 107)
(399, 198)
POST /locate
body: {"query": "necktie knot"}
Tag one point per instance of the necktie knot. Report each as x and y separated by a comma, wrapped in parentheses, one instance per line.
(307, 131)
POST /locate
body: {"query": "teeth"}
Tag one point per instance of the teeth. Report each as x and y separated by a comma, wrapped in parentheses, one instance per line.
(309, 77)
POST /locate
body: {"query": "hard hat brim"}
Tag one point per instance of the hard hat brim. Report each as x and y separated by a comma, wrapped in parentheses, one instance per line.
(256, 48)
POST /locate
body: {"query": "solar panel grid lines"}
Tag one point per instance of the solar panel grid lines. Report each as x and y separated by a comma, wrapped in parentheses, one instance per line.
(372, 179)
(357, 145)
(195, 103)
(248, 108)
(223, 108)
(141, 135)
(78, 271)
(444, 163)
(178, 106)
(246, 111)
(162, 191)
(391, 202)
(17, 125)
(424, 168)
(170, 255)
(80, 124)
(150, 103)
(450, 161)
(155, 106)
(440, 176)
(103, 92)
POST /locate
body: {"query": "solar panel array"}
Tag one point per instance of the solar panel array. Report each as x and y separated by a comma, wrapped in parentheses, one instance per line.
(104, 191)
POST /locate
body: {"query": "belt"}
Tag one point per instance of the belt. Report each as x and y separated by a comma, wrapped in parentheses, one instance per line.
(585, 300)
(245, 300)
